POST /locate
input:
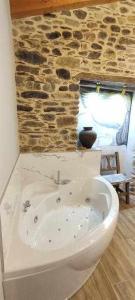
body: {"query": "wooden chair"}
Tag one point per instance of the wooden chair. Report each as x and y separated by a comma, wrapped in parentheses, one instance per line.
(110, 170)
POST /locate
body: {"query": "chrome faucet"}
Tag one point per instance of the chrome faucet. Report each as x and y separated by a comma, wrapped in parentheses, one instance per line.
(58, 181)
(26, 205)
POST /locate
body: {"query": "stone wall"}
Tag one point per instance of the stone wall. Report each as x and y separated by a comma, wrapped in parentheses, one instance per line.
(51, 51)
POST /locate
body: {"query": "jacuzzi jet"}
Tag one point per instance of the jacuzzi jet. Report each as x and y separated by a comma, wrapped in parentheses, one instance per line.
(58, 199)
(35, 219)
(87, 200)
(26, 205)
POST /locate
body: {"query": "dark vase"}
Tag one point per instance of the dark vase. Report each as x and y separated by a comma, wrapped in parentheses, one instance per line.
(87, 137)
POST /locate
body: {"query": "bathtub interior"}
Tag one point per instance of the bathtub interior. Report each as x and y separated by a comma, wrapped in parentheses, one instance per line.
(41, 168)
(59, 215)
(55, 223)
(55, 220)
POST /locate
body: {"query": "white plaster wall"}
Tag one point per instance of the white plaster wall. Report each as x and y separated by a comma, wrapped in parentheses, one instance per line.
(8, 119)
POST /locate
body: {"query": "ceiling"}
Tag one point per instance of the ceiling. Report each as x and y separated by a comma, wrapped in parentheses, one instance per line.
(24, 8)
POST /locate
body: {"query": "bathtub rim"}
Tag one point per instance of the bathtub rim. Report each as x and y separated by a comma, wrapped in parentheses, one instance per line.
(81, 245)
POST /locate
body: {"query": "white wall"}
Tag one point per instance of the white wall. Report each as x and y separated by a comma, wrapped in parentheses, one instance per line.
(8, 120)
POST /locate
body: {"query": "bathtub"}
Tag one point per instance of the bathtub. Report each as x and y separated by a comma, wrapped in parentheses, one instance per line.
(59, 238)
(58, 216)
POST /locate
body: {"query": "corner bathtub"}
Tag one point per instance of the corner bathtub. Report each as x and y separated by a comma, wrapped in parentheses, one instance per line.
(59, 239)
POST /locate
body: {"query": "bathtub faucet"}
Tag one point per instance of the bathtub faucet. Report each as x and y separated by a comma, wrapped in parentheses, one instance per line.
(58, 181)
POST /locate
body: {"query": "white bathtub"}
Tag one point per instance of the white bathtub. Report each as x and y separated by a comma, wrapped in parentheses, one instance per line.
(58, 240)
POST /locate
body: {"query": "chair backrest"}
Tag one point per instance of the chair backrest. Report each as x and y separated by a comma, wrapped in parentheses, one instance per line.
(110, 163)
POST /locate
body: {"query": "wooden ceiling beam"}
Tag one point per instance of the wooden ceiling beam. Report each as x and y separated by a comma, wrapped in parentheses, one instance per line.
(119, 79)
(25, 8)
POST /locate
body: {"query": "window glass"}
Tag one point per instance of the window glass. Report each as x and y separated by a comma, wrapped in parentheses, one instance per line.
(108, 113)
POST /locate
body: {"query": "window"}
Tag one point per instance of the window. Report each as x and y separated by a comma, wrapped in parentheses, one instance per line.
(108, 112)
